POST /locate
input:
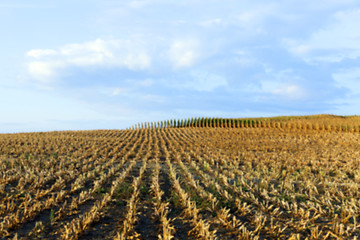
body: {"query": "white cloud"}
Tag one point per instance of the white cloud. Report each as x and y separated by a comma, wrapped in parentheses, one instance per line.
(43, 71)
(44, 64)
(184, 53)
(97, 52)
(38, 53)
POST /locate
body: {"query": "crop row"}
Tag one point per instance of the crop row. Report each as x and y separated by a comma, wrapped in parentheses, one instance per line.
(180, 183)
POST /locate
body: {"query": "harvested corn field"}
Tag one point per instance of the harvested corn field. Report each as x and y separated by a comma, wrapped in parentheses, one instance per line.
(276, 181)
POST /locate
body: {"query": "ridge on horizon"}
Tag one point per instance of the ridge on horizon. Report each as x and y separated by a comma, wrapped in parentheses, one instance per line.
(349, 121)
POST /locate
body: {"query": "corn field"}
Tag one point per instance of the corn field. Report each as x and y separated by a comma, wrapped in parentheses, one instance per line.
(208, 179)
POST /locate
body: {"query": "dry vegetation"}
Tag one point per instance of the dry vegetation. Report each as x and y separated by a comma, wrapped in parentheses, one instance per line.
(280, 178)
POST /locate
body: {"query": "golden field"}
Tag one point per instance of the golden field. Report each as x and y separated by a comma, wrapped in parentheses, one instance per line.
(266, 178)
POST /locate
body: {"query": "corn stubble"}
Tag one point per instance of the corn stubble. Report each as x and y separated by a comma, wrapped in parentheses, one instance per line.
(226, 179)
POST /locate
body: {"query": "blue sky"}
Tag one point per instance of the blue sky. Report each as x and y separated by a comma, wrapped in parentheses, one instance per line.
(105, 64)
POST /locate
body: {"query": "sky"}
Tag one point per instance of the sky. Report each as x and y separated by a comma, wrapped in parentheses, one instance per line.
(106, 64)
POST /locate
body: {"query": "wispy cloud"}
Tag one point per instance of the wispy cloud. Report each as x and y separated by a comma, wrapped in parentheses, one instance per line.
(286, 85)
(150, 59)
(333, 43)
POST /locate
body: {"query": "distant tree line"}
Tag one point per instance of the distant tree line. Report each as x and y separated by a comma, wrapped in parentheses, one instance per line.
(199, 122)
